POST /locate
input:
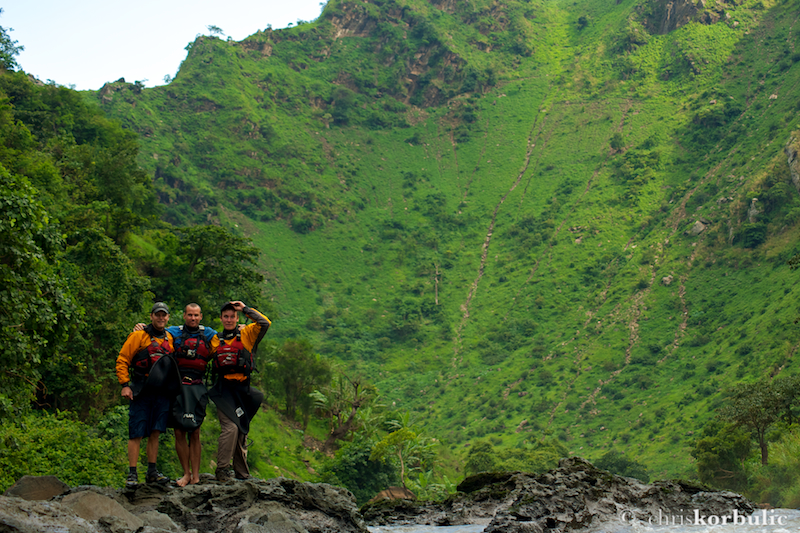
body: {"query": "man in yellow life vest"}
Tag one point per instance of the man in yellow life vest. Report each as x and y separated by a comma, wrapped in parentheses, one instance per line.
(145, 371)
(237, 402)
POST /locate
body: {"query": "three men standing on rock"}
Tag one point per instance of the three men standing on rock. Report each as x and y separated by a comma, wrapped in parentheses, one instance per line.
(184, 353)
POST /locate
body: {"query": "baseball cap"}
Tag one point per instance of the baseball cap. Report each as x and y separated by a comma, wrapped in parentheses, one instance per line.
(159, 306)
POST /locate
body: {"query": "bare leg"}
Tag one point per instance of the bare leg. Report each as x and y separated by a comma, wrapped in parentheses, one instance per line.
(182, 449)
(133, 451)
(194, 455)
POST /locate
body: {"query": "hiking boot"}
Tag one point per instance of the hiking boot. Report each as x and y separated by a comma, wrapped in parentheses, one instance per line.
(156, 477)
(223, 476)
(133, 480)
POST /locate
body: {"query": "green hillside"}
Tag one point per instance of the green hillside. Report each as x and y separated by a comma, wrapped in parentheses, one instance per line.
(517, 218)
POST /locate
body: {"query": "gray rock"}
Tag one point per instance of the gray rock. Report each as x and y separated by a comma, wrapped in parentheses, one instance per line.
(37, 488)
(697, 229)
(156, 520)
(92, 506)
(23, 516)
(280, 504)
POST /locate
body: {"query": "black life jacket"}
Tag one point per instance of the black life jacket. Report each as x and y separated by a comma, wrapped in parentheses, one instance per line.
(145, 358)
(192, 354)
(233, 358)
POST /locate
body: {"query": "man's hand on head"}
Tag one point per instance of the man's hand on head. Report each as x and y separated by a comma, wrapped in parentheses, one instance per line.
(238, 305)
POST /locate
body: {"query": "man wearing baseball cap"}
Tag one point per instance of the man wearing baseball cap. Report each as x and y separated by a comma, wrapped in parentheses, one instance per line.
(237, 402)
(145, 373)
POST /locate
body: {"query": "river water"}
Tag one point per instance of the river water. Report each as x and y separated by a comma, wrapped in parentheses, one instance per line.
(772, 521)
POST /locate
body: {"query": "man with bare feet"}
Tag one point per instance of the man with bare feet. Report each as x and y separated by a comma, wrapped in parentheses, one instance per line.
(194, 345)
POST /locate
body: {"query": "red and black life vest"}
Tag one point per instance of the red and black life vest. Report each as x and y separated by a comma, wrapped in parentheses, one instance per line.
(233, 358)
(192, 353)
(145, 358)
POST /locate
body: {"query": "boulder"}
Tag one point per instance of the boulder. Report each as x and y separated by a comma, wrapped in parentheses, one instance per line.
(24, 516)
(92, 506)
(277, 504)
(37, 488)
(160, 521)
(394, 493)
(696, 229)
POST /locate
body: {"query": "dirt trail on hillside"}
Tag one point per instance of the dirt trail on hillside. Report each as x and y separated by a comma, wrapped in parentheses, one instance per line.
(487, 240)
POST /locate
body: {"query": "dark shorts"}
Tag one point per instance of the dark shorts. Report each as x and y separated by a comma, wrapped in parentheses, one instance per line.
(147, 414)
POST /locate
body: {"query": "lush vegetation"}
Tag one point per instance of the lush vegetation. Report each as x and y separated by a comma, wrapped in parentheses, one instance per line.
(539, 227)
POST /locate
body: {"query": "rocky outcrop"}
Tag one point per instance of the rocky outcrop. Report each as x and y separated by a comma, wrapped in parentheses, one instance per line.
(272, 506)
(668, 15)
(664, 16)
(574, 495)
(792, 149)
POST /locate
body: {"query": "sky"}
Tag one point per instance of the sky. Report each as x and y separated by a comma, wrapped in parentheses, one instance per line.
(86, 43)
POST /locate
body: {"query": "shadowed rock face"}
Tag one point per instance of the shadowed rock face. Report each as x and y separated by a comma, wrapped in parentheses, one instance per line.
(574, 495)
(275, 505)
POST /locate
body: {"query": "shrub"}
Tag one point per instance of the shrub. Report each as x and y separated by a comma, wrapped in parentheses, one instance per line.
(40, 444)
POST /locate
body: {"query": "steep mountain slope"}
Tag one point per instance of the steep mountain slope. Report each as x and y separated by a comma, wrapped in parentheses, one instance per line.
(517, 218)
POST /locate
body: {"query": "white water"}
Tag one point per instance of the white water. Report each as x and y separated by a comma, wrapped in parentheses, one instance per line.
(777, 521)
(426, 529)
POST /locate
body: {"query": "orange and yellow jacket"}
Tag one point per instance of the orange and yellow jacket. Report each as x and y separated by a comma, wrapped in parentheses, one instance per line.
(140, 351)
(233, 344)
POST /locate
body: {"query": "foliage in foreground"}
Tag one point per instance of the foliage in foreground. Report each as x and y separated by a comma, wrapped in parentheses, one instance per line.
(56, 444)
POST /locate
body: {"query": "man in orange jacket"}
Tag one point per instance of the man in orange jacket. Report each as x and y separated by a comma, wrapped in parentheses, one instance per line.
(144, 371)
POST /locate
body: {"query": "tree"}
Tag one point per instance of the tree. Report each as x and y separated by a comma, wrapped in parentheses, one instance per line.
(215, 30)
(616, 463)
(295, 372)
(721, 453)
(105, 281)
(480, 458)
(8, 49)
(788, 390)
(353, 468)
(407, 444)
(36, 306)
(540, 455)
(340, 403)
(207, 265)
(755, 406)
(617, 142)
(397, 443)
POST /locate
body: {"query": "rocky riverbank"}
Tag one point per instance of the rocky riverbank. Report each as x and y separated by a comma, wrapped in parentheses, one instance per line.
(575, 495)
(273, 506)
